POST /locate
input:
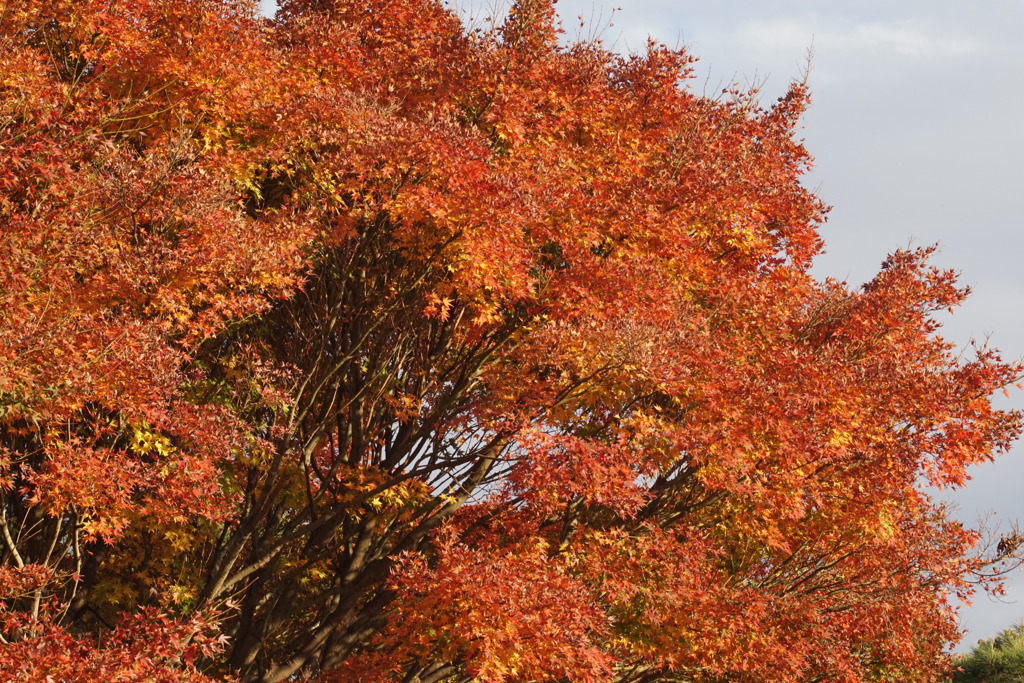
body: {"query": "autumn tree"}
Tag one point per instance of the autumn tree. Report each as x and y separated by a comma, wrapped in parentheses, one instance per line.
(359, 345)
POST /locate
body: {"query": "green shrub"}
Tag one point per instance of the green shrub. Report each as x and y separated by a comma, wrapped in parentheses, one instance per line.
(996, 660)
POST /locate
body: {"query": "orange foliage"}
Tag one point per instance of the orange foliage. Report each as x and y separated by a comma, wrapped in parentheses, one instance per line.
(359, 345)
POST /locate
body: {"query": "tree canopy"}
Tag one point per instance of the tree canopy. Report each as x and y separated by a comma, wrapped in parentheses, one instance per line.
(995, 660)
(360, 345)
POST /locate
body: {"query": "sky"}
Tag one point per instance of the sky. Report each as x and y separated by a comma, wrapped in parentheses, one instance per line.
(916, 131)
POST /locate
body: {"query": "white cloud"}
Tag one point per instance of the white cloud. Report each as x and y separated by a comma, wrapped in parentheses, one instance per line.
(896, 38)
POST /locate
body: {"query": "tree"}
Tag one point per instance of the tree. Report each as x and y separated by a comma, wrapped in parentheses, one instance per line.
(998, 659)
(360, 345)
